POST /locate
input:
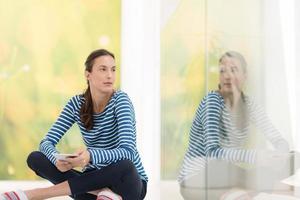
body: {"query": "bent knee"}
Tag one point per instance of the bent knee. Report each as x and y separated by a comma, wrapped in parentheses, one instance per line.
(128, 170)
(126, 165)
(34, 158)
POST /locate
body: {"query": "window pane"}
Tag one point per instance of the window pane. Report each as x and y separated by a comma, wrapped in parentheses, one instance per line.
(43, 47)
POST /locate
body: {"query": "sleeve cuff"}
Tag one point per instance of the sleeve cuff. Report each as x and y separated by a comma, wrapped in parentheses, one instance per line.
(93, 156)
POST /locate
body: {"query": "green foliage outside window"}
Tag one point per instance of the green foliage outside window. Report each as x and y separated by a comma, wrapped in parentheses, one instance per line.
(43, 46)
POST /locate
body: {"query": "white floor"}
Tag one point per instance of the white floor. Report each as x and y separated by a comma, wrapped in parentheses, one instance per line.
(169, 189)
(24, 185)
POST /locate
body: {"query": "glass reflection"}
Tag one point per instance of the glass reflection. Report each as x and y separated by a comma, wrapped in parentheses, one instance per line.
(218, 164)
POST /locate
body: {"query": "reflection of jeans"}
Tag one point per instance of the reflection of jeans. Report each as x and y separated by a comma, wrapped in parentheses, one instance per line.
(220, 176)
(121, 177)
(211, 181)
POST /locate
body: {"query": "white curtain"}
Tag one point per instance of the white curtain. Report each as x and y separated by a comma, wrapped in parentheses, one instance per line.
(281, 68)
(279, 57)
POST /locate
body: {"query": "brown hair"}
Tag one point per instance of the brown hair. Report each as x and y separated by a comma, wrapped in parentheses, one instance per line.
(236, 55)
(86, 110)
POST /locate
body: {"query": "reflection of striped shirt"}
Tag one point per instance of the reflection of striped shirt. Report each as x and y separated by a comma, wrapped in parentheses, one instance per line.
(112, 138)
(213, 135)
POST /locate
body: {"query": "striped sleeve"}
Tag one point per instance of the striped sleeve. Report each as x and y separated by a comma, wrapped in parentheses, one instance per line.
(211, 124)
(64, 122)
(193, 159)
(126, 135)
(262, 121)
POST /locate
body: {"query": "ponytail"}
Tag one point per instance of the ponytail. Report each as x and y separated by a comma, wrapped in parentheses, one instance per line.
(86, 110)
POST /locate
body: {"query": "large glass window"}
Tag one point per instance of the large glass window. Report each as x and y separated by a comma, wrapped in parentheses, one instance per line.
(43, 47)
(194, 36)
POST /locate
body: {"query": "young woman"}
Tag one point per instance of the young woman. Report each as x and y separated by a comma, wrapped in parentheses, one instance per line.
(111, 163)
(219, 132)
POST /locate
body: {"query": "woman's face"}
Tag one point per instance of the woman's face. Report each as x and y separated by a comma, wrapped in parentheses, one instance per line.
(232, 75)
(102, 76)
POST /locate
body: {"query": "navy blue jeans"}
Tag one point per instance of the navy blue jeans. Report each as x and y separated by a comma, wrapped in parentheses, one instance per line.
(121, 177)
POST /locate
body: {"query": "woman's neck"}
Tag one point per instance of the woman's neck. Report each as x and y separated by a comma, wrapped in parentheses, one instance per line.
(100, 100)
(232, 100)
(238, 109)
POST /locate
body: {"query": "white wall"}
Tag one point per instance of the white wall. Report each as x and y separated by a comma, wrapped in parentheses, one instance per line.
(276, 88)
(297, 64)
(140, 78)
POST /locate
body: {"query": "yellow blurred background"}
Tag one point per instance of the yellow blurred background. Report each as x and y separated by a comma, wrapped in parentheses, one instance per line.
(43, 46)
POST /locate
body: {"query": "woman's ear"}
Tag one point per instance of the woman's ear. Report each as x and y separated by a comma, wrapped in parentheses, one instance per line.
(87, 75)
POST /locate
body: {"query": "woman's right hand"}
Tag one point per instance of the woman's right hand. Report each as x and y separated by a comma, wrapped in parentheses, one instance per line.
(63, 166)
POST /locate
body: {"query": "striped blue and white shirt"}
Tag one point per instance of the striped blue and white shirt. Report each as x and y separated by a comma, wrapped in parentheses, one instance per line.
(112, 138)
(214, 135)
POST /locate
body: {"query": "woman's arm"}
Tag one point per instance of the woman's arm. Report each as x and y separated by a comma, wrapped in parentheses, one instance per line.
(124, 113)
(261, 120)
(211, 118)
(65, 120)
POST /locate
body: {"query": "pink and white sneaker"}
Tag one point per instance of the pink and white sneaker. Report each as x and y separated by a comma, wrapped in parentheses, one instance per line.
(14, 195)
(108, 195)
